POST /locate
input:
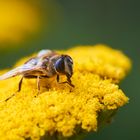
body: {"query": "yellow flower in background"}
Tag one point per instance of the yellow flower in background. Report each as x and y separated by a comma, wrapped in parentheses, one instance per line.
(18, 18)
(60, 111)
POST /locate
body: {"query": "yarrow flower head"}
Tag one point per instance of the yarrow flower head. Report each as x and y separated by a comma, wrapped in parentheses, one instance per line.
(61, 111)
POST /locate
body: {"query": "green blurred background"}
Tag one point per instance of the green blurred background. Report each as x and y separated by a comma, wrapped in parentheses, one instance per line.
(63, 24)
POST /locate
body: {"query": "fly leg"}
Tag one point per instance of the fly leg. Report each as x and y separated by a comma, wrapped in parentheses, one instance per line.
(8, 98)
(57, 78)
(20, 84)
(37, 81)
(68, 81)
(19, 88)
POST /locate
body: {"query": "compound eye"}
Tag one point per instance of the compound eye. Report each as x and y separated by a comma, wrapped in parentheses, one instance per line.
(68, 66)
(70, 60)
(59, 65)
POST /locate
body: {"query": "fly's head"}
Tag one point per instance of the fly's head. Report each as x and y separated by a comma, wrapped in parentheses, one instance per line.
(64, 65)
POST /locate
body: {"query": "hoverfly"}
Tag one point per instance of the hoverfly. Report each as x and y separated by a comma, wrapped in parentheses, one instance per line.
(46, 64)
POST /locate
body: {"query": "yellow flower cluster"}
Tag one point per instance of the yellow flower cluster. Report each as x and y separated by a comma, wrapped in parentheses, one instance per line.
(60, 109)
(101, 60)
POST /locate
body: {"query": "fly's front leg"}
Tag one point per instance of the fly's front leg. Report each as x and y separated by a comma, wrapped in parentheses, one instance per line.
(69, 81)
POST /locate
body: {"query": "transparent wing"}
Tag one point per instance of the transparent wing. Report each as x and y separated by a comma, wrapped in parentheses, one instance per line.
(19, 71)
(33, 64)
(44, 52)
